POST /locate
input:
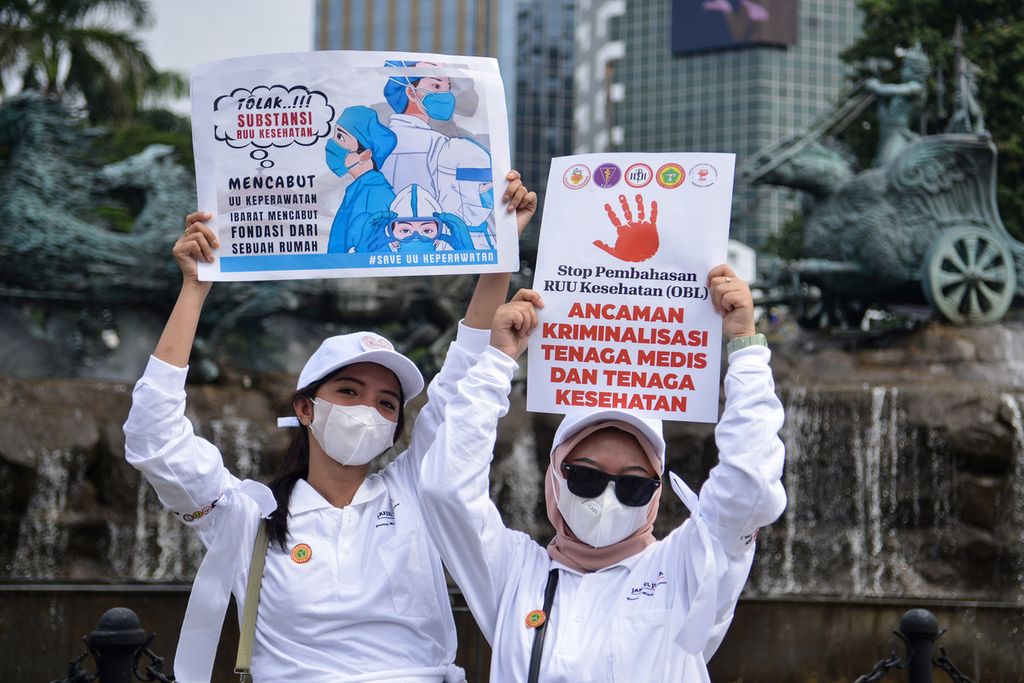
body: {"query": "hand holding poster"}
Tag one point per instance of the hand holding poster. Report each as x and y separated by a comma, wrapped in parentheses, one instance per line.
(339, 164)
(626, 244)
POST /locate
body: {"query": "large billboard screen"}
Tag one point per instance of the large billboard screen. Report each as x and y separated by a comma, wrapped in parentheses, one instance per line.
(702, 25)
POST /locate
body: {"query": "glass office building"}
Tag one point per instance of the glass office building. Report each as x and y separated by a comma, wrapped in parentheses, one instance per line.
(454, 27)
(634, 92)
(461, 27)
(544, 88)
(532, 40)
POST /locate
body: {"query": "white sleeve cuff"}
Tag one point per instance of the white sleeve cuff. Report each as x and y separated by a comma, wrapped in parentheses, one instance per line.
(495, 362)
(733, 542)
(751, 355)
(167, 377)
(472, 339)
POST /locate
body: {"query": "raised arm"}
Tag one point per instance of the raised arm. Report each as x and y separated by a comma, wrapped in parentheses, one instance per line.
(187, 472)
(492, 288)
(197, 242)
(893, 89)
(473, 333)
(744, 490)
(465, 526)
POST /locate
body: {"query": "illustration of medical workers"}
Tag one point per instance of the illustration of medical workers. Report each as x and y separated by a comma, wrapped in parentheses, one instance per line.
(464, 183)
(418, 224)
(416, 101)
(361, 143)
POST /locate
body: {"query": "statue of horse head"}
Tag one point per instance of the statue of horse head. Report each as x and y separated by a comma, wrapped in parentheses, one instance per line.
(814, 167)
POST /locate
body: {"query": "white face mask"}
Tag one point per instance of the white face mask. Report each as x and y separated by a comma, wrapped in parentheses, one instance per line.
(351, 435)
(600, 521)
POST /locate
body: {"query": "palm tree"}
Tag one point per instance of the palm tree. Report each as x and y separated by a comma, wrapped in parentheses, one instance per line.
(70, 48)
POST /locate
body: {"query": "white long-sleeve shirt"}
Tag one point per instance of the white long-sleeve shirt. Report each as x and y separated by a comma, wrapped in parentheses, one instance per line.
(656, 616)
(368, 602)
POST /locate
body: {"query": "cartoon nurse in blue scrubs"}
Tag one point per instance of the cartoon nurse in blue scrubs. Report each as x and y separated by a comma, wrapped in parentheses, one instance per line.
(360, 145)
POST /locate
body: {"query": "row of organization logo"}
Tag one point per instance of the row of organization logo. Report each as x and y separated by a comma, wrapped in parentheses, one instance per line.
(669, 176)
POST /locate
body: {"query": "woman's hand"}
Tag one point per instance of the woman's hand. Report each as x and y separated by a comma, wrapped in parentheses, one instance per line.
(514, 321)
(198, 242)
(492, 288)
(517, 198)
(731, 297)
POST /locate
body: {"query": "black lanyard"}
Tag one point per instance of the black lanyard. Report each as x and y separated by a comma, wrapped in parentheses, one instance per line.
(538, 636)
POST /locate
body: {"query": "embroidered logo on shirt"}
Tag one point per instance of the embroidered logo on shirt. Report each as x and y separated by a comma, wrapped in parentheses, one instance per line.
(199, 514)
(301, 554)
(386, 518)
(648, 588)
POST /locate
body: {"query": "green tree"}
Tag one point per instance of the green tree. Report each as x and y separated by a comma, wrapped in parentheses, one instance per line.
(993, 32)
(72, 49)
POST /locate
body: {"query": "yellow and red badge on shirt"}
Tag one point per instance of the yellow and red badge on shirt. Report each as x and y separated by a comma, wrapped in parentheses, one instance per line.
(302, 553)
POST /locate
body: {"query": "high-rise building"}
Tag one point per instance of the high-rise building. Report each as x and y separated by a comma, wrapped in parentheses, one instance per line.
(650, 81)
(532, 40)
(454, 27)
(460, 27)
(544, 88)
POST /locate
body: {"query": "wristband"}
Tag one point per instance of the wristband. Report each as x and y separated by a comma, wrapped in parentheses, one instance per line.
(743, 342)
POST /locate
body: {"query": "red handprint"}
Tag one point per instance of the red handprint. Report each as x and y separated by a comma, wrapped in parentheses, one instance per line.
(637, 240)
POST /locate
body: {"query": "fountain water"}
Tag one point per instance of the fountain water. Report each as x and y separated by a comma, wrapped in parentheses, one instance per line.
(1013, 406)
(519, 485)
(896, 486)
(237, 436)
(872, 501)
(43, 534)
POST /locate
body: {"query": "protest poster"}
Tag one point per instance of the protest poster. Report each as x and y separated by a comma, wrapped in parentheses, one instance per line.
(626, 244)
(343, 164)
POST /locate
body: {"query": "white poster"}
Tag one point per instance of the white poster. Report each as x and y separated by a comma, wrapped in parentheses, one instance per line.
(626, 244)
(341, 164)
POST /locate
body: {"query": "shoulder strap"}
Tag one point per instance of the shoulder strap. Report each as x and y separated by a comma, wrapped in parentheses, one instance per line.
(252, 599)
(538, 636)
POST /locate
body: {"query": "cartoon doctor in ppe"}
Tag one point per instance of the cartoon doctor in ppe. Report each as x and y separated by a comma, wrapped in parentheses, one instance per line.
(417, 224)
(465, 186)
(416, 101)
(361, 144)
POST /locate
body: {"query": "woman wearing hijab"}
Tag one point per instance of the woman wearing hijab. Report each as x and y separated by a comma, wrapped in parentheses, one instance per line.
(605, 600)
(351, 589)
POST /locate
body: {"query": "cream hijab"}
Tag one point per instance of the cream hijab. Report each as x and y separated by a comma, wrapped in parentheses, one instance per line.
(565, 547)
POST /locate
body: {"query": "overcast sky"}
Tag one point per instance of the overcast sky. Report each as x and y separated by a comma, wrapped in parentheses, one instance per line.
(190, 32)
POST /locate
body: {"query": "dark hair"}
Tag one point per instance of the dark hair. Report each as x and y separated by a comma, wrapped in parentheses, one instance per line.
(296, 464)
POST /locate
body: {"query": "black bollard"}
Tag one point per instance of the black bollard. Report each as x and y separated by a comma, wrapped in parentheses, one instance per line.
(919, 628)
(115, 641)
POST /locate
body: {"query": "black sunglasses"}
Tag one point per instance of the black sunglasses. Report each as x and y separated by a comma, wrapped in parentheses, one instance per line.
(587, 482)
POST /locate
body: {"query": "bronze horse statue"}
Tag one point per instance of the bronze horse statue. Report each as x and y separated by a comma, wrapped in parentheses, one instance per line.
(926, 224)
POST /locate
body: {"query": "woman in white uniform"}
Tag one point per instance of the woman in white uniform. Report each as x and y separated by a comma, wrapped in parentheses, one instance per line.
(352, 589)
(605, 601)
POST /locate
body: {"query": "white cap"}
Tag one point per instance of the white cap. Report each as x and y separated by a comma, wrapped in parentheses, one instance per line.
(358, 347)
(574, 423)
(361, 347)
